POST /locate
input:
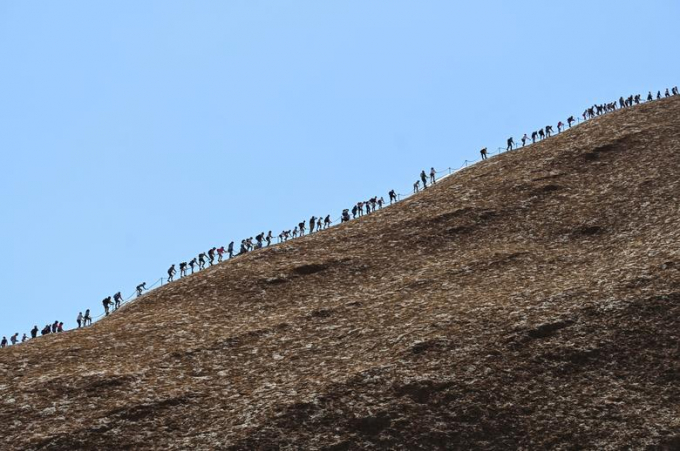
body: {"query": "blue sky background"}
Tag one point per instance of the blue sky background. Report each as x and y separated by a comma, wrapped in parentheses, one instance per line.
(135, 134)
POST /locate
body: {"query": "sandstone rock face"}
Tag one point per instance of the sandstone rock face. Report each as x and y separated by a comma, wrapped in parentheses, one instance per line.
(527, 302)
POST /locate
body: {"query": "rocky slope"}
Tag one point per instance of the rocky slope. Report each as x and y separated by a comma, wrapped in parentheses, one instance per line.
(530, 301)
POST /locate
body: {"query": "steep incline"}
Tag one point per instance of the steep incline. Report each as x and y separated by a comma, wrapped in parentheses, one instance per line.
(529, 301)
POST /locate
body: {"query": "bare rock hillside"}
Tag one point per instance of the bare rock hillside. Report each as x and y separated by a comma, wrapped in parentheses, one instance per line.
(528, 302)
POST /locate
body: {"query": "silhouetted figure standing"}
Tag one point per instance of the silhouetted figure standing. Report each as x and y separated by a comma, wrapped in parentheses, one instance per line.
(534, 135)
(393, 196)
(416, 186)
(171, 272)
(433, 174)
(230, 249)
(3, 343)
(571, 120)
(511, 144)
(34, 332)
(650, 97)
(106, 303)
(483, 153)
(327, 222)
(87, 319)
(675, 91)
(312, 224)
(658, 95)
(423, 178)
(667, 94)
(79, 319)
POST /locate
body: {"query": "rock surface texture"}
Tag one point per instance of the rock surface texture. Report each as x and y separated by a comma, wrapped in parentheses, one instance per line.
(531, 301)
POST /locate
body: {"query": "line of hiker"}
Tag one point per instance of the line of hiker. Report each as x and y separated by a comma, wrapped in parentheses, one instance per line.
(198, 263)
(55, 327)
(588, 113)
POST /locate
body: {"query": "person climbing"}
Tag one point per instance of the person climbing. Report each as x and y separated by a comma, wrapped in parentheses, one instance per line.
(230, 249)
(211, 255)
(433, 173)
(79, 319)
(658, 95)
(34, 331)
(560, 126)
(319, 223)
(675, 91)
(24, 338)
(534, 135)
(105, 303)
(259, 238)
(416, 186)
(171, 272)
(354, 212)
(381, 202)
(220, 253)
(345, 215)
(571, 120)
(667, 94)
(60, 327)
(312, 224)
(650, 97)
(192, 263)
(295, 232)
(484, 151)
(14, 338)
(45, 330)
(3, 343)
(541, 134)
(141, 287)
(511, 143)
(548, 130)
(327, 222)
(525, 138)
(182, 269)
(117, 300)
(269, 238)
(393, 196)
(423, 178)
(201, 260)
(87, 319)
(302, 228)
(622, 103)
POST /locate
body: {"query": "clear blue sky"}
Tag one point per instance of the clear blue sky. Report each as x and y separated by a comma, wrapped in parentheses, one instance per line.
(135, 134)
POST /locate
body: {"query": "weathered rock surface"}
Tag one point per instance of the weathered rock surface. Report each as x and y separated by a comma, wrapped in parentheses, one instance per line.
(530, 301)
